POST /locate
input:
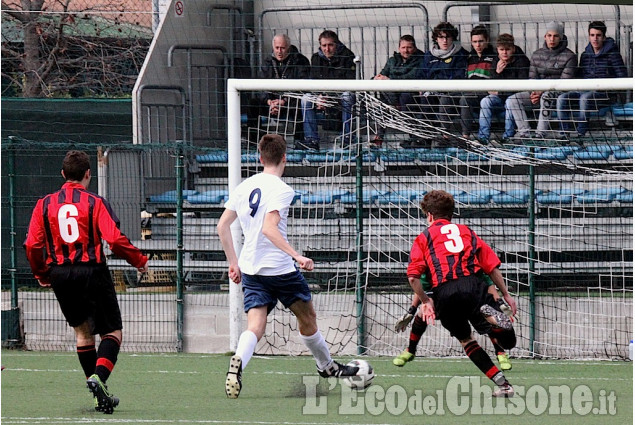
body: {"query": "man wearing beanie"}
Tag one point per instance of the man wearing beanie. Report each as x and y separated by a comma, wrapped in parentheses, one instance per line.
(552, 61)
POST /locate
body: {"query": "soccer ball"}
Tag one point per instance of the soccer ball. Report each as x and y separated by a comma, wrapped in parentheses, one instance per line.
(364, 376)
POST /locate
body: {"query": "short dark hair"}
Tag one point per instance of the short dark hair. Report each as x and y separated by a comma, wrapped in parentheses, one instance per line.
(598, 25)
(447, 28)
(272, 148)
(506, 40)
(439, 203)
(480, 30)
(408, 38)
(75, 165)
(329, 34)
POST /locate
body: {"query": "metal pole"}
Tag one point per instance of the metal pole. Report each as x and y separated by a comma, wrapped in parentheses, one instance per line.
(179, 245)
(532, 254)
(234, 178)
(12, 226)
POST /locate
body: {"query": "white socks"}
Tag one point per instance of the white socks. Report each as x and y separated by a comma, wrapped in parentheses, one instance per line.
(246, 346)
(318, 348)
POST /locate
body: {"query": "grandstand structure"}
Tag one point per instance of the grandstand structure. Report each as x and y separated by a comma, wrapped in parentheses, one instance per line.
(559, 216)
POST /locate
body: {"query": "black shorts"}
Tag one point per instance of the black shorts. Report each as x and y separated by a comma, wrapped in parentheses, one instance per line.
(457, 304)
(87, 293)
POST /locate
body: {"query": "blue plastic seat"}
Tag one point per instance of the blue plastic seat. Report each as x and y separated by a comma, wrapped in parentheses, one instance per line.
(623, 111)
(368, 197)
(400, 197)
(169, 197)
(219, 157)
(323, 196)
(558, 196)
(600, 152)
(625, 197)
(601, 195)
(209, 197)
(253, 157)
(397, 156)
(478, 197)
(625, 153)
(555, 153)
(298, 195)
(510, 197)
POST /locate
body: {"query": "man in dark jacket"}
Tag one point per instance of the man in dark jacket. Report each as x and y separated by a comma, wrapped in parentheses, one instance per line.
(332, 61)
(446, 60)
(552, 61)
(285, 62)
(600, 59)
(511, 64)
(402, 65)
(480, 62)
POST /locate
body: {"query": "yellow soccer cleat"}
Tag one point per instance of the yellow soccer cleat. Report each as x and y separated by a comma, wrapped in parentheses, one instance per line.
(503, 360)
(403, 358)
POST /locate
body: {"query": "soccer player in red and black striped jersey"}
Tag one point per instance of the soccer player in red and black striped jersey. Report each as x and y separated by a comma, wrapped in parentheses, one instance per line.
(64, 249)
(450, 255)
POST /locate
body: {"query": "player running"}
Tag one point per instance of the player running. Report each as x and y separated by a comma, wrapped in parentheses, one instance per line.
(451, 255)
(69, 225)
(266, 265)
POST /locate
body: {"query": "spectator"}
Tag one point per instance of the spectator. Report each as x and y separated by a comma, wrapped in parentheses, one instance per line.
(332, 61)
(552, 61)
(403, 65)
(285, 62)
(479, 66)
(446, 60)
(511, 64)
(600, 59)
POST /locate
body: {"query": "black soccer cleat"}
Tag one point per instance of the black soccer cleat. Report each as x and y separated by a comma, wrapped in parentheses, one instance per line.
(233, 382)
(105, 402)
(338, 370)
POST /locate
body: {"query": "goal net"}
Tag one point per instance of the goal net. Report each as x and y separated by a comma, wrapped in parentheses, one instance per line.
(558, 213)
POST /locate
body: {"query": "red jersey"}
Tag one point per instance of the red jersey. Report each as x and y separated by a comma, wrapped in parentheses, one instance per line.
(446, 251)
(70, 225)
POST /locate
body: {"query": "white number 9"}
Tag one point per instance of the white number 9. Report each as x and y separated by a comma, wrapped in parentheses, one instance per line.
(69, 230)
(454, 243)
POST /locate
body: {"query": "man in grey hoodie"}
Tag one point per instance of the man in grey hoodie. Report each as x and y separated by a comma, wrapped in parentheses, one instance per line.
(552, 61)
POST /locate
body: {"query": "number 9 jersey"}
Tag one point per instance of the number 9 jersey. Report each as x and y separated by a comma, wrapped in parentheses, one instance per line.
(70, 224)
(252, 199)
(446, 251)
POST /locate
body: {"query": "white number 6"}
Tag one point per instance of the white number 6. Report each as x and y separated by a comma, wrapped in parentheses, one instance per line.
(69, 230)
(454, 243)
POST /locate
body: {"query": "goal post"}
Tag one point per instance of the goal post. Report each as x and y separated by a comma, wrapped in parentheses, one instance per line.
(451, 170)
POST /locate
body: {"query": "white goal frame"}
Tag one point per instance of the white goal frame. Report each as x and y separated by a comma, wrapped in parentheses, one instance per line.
(235, 86)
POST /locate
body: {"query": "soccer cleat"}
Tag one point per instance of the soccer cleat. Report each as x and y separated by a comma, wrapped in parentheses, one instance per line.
(499, 318)
(503, 360)
(506, 390)
(403, 358)
(105, 402)
(233, 382)
(338, 370)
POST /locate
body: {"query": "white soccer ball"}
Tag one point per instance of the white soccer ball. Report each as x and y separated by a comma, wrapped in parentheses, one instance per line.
(364, 376)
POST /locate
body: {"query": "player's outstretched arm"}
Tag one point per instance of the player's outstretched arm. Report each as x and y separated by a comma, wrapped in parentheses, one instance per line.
(499, 281)
(272, 232)
(223, 228)
(427, 312)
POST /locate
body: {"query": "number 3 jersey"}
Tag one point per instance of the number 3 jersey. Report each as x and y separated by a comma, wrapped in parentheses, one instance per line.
(446, 251)
(70, 225)
(252, 200)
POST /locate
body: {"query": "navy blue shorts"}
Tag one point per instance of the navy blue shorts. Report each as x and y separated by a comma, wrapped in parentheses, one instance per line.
(267, 290)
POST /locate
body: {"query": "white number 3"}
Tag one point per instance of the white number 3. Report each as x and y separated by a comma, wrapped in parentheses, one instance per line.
(69, 230)
(454, 243)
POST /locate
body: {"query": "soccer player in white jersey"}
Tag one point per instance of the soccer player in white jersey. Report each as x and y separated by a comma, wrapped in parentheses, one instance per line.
(266, 265)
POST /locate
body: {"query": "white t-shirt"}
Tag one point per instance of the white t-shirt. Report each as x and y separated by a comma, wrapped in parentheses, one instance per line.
(252, 200)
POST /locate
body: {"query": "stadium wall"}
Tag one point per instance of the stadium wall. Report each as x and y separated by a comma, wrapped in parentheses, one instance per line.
(206, 329)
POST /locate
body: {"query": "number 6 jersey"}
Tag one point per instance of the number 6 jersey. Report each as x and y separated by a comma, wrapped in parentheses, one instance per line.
(446, 251)
(70, 224)
(252, 200)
